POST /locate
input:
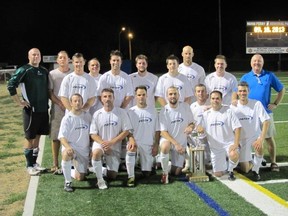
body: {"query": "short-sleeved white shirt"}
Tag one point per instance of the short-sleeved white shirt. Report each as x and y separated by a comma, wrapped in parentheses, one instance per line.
(76, 130)
(250, 115)
(180, 82)
(198, 110)
(121, 85)
(108, 125)
(144, 124)
(150, 81)
(175, 120)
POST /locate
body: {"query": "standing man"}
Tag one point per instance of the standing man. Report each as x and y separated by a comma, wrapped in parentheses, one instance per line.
(221, 80)
(57, 110)
(145, 129)
(173, 78)
(78, 82)
(33, 80)
(261, 82)
(176, 122)
(75, 140)
(94, 72)
(143, 77)
(109, 126)
(223, 130)
(251, 115)
(194, 72)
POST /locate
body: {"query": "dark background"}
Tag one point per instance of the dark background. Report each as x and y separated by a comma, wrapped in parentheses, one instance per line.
(159, 27)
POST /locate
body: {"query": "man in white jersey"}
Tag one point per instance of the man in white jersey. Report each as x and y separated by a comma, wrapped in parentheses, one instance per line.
(223, 129)
(145, 129)
(176, 122)
(193, 71)
(57, 110)
(78, 82)
(251, 114)
(221, 80)
(120, 82)
(143, 77)
(198, 107)
(94, 72)
(173, 78)
(109, 126)
(75, 140)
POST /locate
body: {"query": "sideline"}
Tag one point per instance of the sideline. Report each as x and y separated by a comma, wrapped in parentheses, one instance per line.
(34, 180)
(268, 202)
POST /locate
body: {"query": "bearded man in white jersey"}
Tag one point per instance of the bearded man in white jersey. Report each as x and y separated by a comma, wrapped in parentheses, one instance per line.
(251, 113)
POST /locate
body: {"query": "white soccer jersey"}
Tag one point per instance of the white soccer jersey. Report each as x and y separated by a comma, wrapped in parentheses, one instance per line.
(198, 110)
(108, 125)
(76, 130)
(250, 115)
(144, 124)
(83, 84)
(150, 81)
(121, 85)
(175, 120)
(219, 127)
(195, 73)
(225, 84)
(180, 82)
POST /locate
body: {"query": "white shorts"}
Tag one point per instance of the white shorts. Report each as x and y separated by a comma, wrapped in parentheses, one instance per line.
(80, 162)
(176, 158)
(246, 149)
(112, 160)
(219, 158)
(144, 152)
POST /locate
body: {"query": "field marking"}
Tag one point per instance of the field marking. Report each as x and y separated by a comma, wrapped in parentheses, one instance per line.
(272, 181)
(261, 198)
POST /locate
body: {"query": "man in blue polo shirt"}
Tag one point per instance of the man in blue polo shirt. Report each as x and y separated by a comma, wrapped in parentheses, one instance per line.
(261, 82)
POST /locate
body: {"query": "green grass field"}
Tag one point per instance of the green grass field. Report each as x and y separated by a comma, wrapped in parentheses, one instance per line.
(149, 197)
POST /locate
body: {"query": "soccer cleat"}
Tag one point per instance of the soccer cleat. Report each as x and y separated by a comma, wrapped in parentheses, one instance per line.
(231, 176)
(263, 163)
(38, 167)
(102, 184)
(131, 182)
(32, 171)
(256, 176)
(68, 187)
(164, 179)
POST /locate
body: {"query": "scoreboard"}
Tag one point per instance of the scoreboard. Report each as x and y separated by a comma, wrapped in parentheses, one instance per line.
(267, 37)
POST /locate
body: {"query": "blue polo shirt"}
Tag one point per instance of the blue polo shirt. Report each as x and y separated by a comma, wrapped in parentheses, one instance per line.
(260, 86)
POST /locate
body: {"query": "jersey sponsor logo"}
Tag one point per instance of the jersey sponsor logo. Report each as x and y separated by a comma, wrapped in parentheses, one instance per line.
(221, 88)
(178, 87)
(177, 120)
(82, 127)
(217, 123)
(190, 76)
(145, 119)
(120, 87)
(79, 86)
(246, 118)
(111, 123)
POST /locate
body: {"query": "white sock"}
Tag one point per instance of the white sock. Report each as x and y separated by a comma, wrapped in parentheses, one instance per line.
(130, 164)
(97, 166)
(66, 168)
(104, 171)
(232, 165)
(257, 163)
(73, 173)
(164, 158)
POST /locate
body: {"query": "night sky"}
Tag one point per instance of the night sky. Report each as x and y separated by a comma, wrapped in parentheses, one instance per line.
(159, 28)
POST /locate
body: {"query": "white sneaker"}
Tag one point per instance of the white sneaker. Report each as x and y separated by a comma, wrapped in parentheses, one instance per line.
(38, 167)
(32, 171)
(102, 184)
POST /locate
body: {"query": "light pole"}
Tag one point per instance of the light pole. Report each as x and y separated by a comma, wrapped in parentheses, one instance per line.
(119, 39)
(130, 37)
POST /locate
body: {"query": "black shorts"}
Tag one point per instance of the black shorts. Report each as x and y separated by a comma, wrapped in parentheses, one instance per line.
(35, 123)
